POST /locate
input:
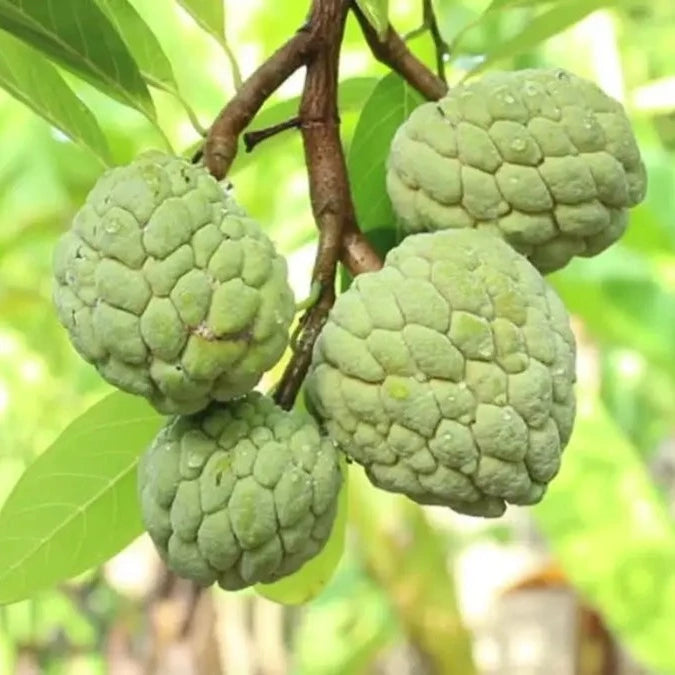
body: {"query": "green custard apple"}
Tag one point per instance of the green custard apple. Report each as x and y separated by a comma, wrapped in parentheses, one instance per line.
(449, 374)
(169, 289)
(541, 157)
(239, 493)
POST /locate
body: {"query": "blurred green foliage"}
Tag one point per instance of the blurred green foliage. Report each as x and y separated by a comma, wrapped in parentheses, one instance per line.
(607, 522)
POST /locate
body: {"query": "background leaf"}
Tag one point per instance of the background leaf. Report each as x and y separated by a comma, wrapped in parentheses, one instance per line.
(377, 13)
(316, 573)
(603, 500)
(76, 505)
(78, 35)
(390, 103)
(209, 14)
(141, 42)
(31, 79)
(563, 15)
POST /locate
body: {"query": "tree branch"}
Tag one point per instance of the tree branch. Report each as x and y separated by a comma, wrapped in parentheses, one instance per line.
(393, 52)
(440, 45)
(328, 183)
(221, 143)
(316, 46)
(252, 138)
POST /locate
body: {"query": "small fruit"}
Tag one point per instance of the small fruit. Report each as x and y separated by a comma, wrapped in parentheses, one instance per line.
(541, 157)
(239, 493)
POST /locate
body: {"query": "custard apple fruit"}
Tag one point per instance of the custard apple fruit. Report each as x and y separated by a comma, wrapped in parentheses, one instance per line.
(541, 157)
(239, 493)
(169, 289)
(449, 373)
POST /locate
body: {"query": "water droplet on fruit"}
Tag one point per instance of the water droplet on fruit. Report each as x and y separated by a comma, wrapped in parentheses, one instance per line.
(194, 461)
(531, 88)
(112, 227)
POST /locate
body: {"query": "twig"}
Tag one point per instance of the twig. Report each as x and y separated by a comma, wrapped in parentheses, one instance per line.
(393, 52)
(328, 183)
(220, 148)
(252, 138)
(440, 45)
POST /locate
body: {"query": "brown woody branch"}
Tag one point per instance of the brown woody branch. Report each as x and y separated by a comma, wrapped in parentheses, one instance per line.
(328, 183)
(393, 52)
(252, 138)
(316, 46)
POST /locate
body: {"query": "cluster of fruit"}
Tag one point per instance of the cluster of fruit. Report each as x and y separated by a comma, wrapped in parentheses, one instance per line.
(448, 374)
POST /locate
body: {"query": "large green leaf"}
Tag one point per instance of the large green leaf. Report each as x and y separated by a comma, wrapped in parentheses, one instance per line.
(78, 35)
(611, 531)
(141, 41)
(315, 574)
(377, 13)
(76, 505)
(389, 104)
(31, 79)
(543, 26)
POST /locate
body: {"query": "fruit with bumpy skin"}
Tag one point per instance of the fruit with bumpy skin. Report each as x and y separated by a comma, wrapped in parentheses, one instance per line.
(169, 289)
(449, 374)
(541, 157)
(239, 493)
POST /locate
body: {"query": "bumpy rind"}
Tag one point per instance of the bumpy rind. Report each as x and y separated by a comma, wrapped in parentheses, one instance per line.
(169, 289)
(449, 374)
(541, 157)
(239, 493)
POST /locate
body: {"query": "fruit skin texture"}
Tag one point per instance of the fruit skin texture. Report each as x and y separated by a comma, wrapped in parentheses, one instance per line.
(239, 493)
(541, 157)
(169, 289)
(449, 374)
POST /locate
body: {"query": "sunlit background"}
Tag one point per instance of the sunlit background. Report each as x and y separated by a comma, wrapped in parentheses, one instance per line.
(583, 583)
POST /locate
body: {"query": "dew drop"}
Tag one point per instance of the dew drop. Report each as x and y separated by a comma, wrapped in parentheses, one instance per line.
(112, 226)
(518, 145)
(531, 88)
(509, 99)
(194, 461)
(507, 415)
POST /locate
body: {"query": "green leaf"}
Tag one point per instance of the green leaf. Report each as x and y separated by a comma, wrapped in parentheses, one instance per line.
(141, 41)
(78, 35)
(621, 304)
(496, 5)
(560, 17)
(613, 535)
(31, 79)
(388, 106)
(314, 575)
(76, 505)
(377, 13)
(208, 14)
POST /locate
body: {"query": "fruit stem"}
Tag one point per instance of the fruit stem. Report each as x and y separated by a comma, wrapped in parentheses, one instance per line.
(393, 52)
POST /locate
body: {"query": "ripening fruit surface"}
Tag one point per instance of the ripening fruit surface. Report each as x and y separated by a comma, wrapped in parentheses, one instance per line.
(540, 157)
(449, 374)
(239, 493)
(169, 289)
